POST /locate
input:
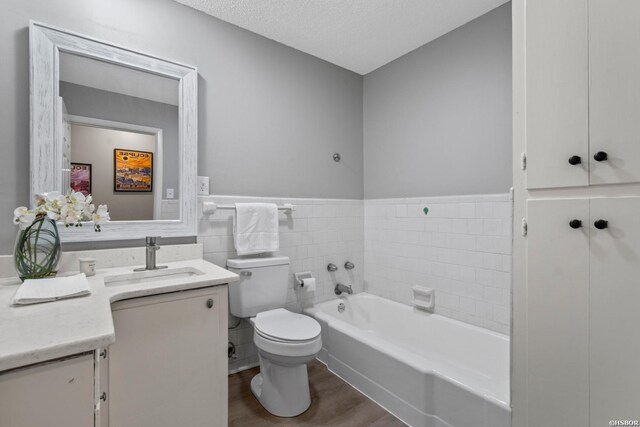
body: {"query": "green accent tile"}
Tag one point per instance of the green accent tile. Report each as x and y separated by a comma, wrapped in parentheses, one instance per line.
(425, 210)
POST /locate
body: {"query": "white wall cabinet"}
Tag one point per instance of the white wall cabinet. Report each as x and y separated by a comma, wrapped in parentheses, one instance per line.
(558, 307)
(582, 294)
(59, 393)
(614, 98)
(582, 92)
(576, 291)
(614, 329)
(557, 89)
(168, 366)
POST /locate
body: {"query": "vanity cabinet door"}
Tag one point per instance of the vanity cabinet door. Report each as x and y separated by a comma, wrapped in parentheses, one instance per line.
(168, 365)
(558, 312)
(55, 394)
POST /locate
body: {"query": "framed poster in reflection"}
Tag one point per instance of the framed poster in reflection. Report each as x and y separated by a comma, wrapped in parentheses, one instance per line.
(80, 178)
(133, 171)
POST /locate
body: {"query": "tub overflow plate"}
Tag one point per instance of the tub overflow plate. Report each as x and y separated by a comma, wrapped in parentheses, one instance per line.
(341, 307)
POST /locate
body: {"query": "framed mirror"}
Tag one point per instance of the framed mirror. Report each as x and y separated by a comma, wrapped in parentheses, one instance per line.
(116, 123)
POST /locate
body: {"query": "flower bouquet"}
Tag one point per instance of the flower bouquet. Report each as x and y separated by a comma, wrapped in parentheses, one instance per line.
(37, 250)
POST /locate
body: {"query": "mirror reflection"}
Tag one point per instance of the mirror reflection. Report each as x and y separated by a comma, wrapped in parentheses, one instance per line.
(120, 137)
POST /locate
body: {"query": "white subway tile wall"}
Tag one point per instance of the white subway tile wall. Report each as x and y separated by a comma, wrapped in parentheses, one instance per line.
(461, 248)
(318, 232)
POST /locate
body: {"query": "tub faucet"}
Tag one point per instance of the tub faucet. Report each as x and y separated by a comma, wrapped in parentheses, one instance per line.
(151, 249)
(340, 288)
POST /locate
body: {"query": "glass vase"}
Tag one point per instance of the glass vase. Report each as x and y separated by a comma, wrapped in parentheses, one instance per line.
(37, 251)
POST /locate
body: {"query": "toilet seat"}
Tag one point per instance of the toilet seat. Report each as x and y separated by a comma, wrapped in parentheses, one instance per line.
(284, 326)
(283, 333)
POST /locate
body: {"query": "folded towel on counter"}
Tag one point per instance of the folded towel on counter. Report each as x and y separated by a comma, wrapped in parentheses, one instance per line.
(255, 229)
(34, 291)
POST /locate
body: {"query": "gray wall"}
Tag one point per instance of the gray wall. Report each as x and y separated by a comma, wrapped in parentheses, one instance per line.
(100, 104)
(270, 117)
(437, 121)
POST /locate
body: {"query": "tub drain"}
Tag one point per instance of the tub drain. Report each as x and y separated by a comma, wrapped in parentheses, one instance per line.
(341, 307)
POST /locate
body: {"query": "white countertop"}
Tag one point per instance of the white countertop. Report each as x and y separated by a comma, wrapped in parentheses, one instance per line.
(39, 332)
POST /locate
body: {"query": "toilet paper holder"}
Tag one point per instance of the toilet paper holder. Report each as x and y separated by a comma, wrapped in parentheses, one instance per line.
(299, 278)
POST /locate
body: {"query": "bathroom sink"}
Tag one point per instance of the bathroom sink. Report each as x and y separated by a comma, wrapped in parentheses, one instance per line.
(151, 276)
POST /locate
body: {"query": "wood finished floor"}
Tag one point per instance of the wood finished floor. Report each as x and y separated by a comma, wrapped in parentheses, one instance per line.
(333, 403)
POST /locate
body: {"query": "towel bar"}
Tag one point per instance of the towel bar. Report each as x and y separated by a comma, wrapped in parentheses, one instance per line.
(209, 208)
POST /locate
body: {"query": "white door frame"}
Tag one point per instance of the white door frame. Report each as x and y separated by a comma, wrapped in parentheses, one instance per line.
(129, 127)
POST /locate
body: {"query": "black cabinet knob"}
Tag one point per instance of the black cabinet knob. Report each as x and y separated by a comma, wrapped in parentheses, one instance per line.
(600, 156)
(575, 160)
(210, 303)
(575, 223)
(601, 224)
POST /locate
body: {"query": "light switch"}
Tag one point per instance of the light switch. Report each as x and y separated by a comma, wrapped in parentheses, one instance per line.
(169, 193)
(203, 186)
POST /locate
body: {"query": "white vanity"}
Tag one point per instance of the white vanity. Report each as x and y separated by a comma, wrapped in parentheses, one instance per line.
(139, 351)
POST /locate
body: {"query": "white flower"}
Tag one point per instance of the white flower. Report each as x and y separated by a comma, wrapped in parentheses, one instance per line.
(40, 199)
(88, 210)
(101, 214)
(71, 209)
(23, 217)
(53, 215)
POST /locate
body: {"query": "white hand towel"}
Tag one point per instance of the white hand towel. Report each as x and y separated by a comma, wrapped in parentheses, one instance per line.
(34, 291)
(256, 228)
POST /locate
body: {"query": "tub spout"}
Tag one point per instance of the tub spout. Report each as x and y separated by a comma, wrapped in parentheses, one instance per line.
(340, 288)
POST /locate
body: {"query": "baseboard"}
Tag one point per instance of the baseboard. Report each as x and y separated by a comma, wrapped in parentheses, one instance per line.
(244, 368)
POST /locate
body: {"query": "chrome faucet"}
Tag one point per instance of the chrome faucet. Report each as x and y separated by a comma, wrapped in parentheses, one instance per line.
(340, 288)
(151, 248)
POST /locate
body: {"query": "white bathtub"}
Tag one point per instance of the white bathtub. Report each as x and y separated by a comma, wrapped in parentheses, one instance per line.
(428, 370)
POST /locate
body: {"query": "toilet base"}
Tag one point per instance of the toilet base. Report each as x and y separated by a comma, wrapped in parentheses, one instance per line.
(282, 390)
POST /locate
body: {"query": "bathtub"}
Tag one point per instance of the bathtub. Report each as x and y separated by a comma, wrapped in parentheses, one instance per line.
(426, 369)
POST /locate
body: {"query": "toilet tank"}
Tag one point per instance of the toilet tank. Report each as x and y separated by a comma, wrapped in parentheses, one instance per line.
(262, 286)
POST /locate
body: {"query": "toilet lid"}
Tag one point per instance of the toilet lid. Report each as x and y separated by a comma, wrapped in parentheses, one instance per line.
(285, 325)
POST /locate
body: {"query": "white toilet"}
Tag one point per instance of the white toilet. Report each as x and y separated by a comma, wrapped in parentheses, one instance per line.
(286, 341)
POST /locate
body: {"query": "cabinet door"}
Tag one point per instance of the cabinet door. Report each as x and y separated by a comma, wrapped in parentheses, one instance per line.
(614, 58)
(557, 313)
(615, 302)
(168, 365)
(556, 93)
(55, 394)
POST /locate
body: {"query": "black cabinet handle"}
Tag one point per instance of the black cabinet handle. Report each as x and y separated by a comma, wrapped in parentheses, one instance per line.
(575, 223)
(600, 156)
(601, 224)
(575, 160)
(210, 303)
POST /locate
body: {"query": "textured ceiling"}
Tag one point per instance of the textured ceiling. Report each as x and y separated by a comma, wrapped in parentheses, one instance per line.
(359, 35)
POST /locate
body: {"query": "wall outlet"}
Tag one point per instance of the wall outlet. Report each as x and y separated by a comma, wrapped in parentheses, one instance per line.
(203, 186)
(169, 193)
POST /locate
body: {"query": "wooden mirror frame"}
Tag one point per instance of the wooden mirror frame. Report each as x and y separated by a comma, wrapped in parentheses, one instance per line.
(46, 43)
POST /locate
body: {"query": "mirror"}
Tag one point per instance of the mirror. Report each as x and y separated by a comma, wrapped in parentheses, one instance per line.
(118, 124)
(120, 137)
